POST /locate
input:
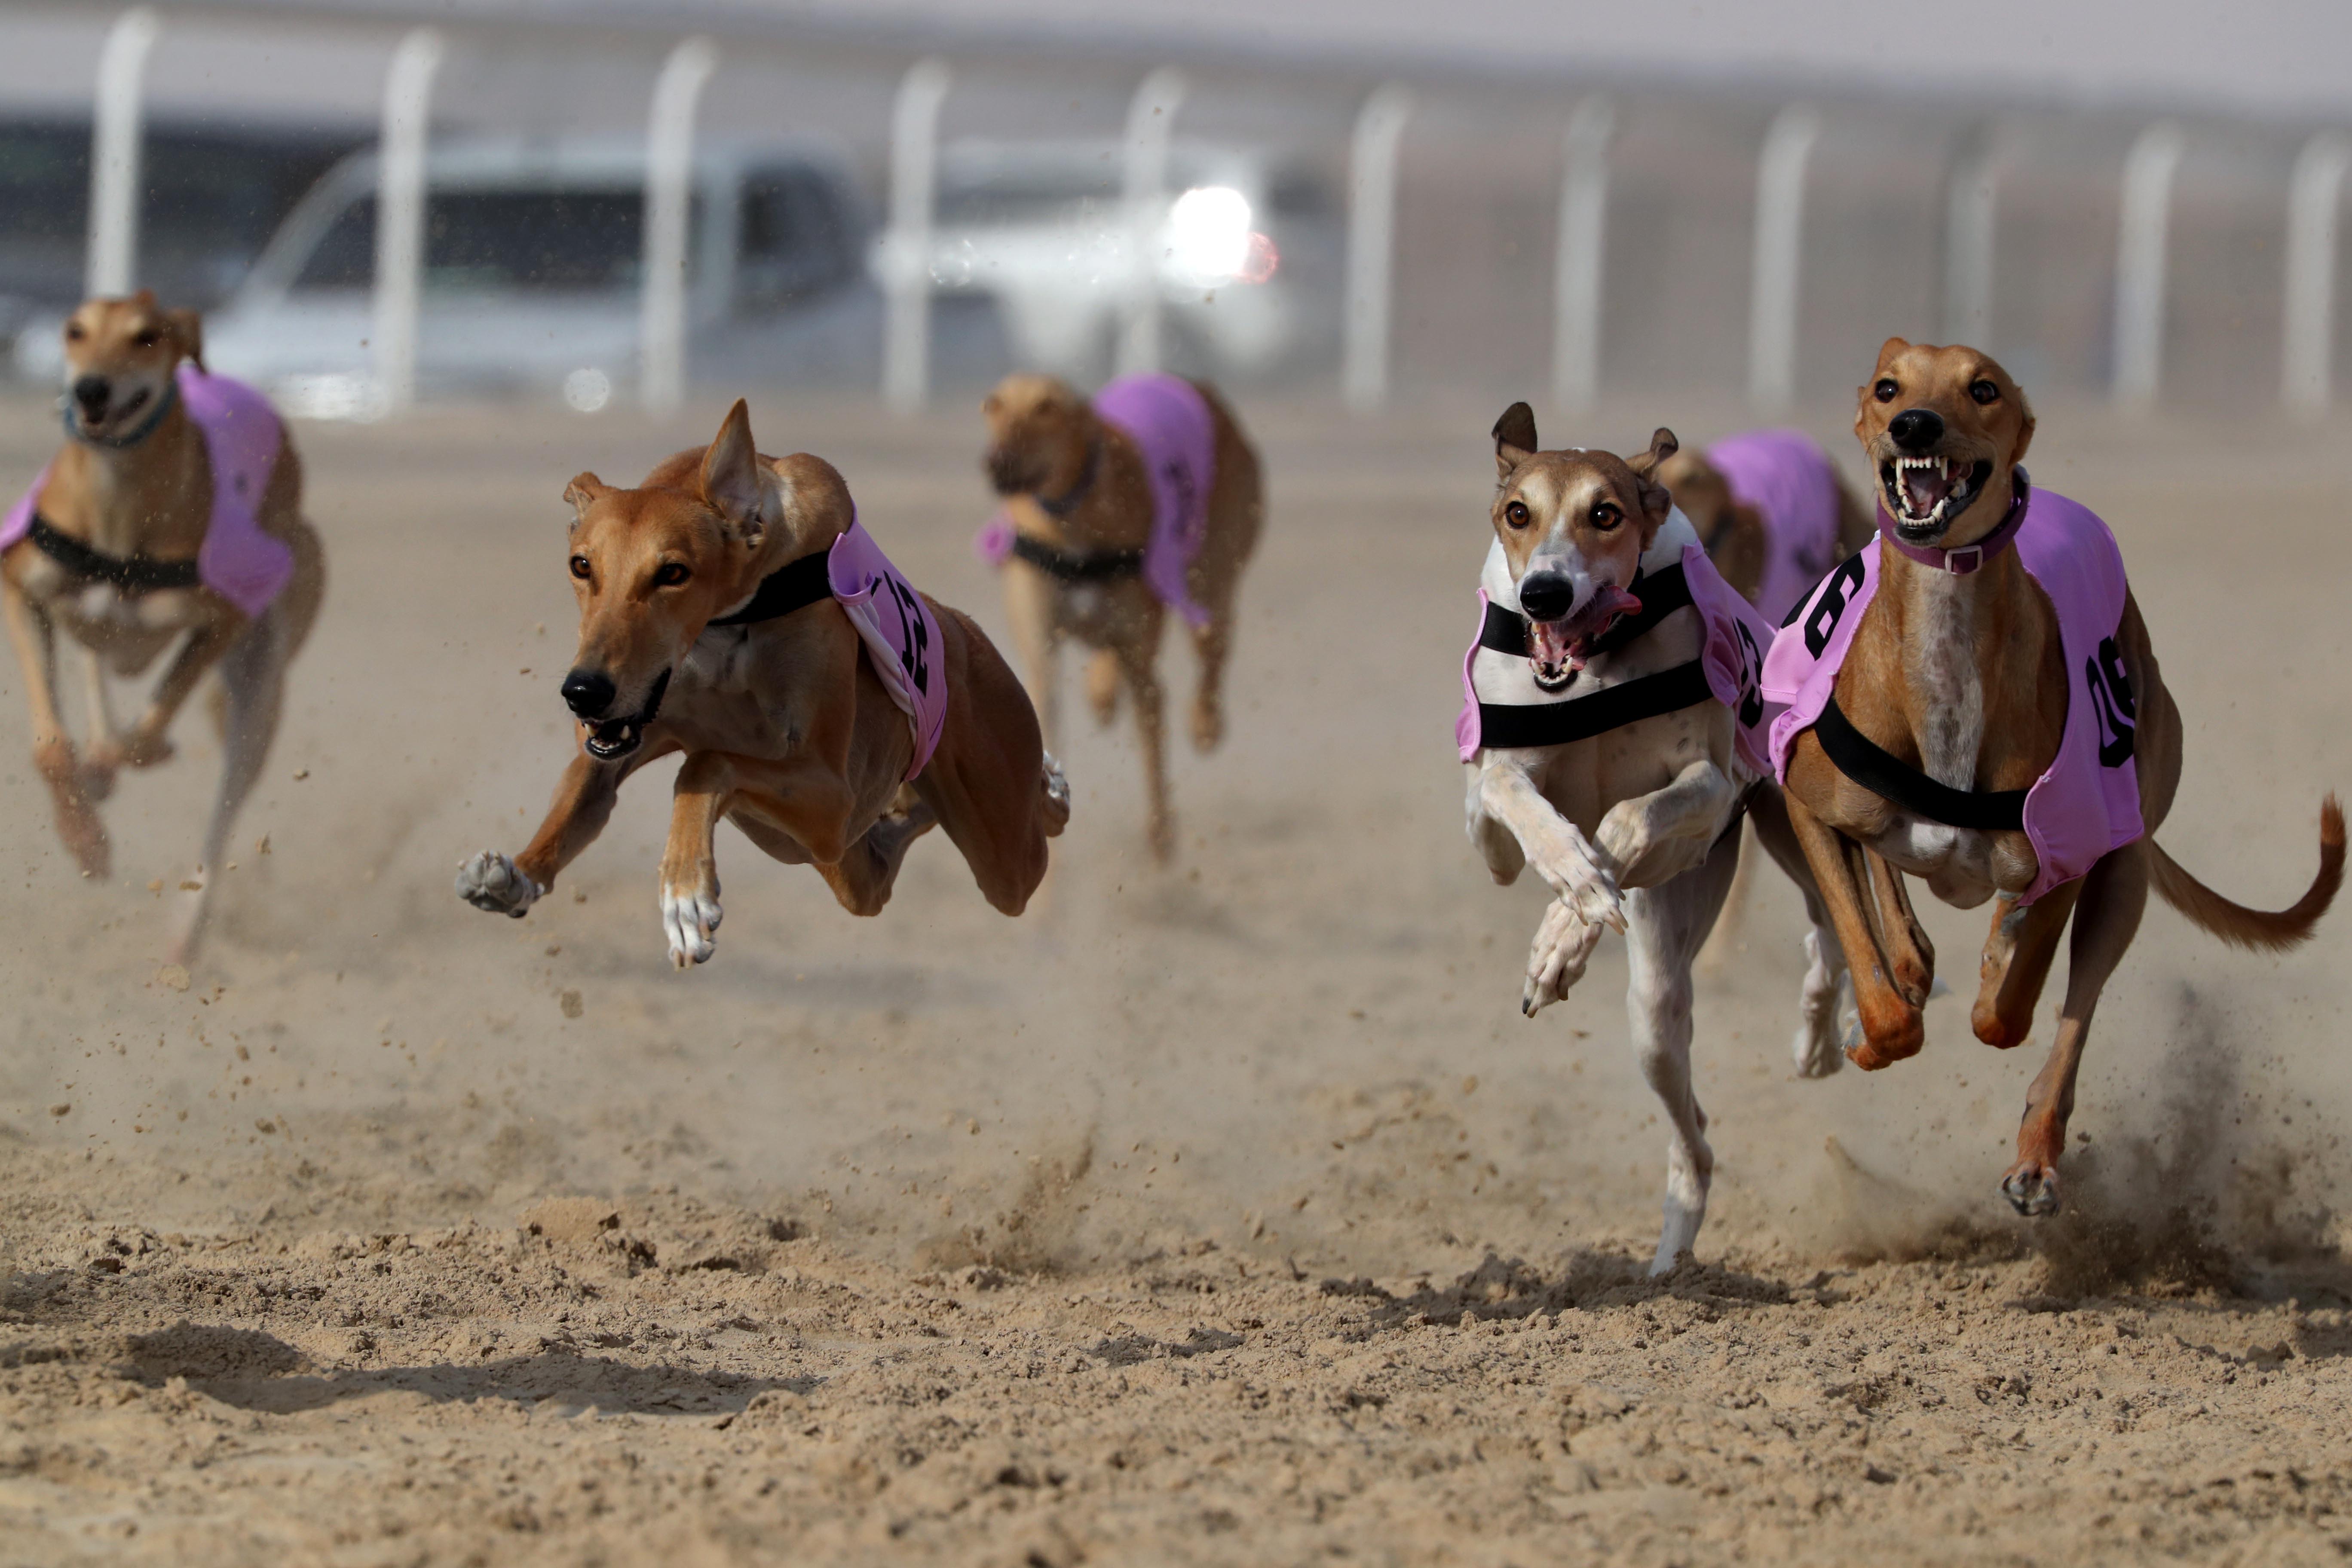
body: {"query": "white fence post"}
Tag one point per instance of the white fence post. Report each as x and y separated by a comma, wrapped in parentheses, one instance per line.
(400, 216)
(1969, 215)
(111, 266)
(2139, 264)
(670, 192)
(906, 246)
(1579, 256)
(2307, 340)
(1372, 246)
(1776, 270)
(1143, 181)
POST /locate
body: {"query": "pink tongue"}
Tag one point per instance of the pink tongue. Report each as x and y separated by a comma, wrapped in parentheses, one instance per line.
(1566, 641)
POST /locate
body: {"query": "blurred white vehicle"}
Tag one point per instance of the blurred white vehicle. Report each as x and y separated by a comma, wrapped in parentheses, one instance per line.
(533, 256)
(1234, 250)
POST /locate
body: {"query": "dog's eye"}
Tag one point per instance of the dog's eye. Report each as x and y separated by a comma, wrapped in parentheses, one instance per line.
(579, 567)
(1606, 516)
(1516, 514)
(670, 575)
(146, 340)
(74, 333)
(1984, 391)
(1886, 392)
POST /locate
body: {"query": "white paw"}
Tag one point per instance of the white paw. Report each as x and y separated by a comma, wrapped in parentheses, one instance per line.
(1057, 784)
(1587, 887)
(689, 917)
(1563, 945)
(491, 881)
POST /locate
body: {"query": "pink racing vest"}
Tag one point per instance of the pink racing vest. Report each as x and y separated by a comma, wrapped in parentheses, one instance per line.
(1169, 420)
(1730, 660)
(901, 635)
(238, 560)
(1793, 486)
(2086, 804)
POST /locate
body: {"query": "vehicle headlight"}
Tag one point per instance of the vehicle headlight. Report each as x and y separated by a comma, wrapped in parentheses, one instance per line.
(1209, 235)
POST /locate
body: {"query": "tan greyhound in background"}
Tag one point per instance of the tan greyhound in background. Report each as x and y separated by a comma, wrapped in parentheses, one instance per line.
(1960, 675)
(1080, 504)
(111, 559)
(789, 732)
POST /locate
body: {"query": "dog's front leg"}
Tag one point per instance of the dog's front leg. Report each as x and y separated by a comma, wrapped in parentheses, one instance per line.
(582, 804)
(53, 752)
(1652, 838)
(1557, 849)
(689, 871)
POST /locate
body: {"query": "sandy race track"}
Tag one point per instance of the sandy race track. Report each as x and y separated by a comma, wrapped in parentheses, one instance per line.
(1229, 1214)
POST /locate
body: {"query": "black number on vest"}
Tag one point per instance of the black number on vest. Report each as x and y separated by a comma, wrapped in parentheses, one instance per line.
(2111, 700)
(1751, 670)
(1822, 619)
(914, 639)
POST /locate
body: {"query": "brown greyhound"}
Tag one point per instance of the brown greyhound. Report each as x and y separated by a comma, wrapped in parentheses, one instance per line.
(173, 514)
(1080, 501)
(1955, 690)
(713, 621)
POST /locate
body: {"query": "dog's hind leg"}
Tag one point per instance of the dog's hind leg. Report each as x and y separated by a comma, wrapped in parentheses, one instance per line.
(861, 878)
(253, 679)
(2018, 952)
(2107, 917)
(1663, 930)
(1152, 731)
(1817, 1048)
(1213, 642)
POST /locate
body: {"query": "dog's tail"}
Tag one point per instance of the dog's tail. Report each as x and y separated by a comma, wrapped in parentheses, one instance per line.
(2271, 930)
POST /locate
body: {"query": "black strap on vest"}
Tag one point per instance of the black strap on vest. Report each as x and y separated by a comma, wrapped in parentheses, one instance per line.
(1078, 566)
(1505, 726)
(133, 577)
(1505, 631)
(794, 585)
(1863, 761)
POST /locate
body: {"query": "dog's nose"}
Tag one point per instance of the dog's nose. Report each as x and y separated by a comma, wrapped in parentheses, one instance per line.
(588, 693)
(92, 392)
(1916, 430)
(1546, 595)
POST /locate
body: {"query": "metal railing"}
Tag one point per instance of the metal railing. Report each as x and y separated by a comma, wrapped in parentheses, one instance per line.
(1972, 187)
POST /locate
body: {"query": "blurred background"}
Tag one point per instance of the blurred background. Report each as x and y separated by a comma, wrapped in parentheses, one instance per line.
(1377, 201)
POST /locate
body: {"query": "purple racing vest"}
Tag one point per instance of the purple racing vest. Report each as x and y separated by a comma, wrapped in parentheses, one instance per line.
(1731, 657)
(901, 635)
(2086, 804)
(1793, 486)
(238, 560)
(1169, 420)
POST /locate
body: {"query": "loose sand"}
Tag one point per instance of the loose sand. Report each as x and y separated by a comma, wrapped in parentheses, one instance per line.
(1228, 1214)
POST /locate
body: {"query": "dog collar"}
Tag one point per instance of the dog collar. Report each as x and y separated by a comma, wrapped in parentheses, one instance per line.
(145, 428)
(794, 585)
(1077, 565)
(1065, 504)
(1961, 559)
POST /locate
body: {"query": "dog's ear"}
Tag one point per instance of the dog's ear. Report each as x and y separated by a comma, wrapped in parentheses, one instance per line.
(187, 331)
(1514, 439)
(730, 476)
(583, 492)
(1656, 499)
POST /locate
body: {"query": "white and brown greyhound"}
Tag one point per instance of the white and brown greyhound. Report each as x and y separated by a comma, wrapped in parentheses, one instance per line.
(1609, 730)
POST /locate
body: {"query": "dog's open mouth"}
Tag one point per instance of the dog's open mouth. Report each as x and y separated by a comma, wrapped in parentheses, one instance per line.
(615, 738)
(1927, 495)
(115, 417)
(1558, 649)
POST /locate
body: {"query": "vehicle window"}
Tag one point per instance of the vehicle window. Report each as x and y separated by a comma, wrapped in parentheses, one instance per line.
(499, 241)
(796, 236)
